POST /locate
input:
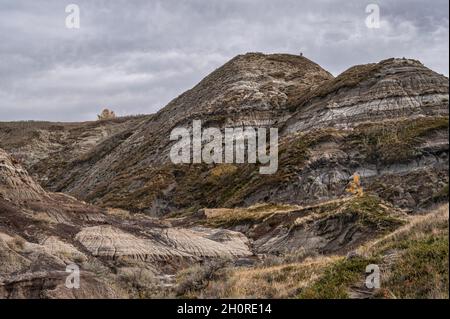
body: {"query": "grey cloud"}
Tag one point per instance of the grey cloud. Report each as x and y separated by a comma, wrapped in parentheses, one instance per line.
(135, 56)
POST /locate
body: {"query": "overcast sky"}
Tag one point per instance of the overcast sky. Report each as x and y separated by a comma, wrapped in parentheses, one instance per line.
(135, 56)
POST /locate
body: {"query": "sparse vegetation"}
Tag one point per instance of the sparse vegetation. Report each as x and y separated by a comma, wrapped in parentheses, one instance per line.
(441, 195)
(337, 278)
(394, 142)
(354, 186)
(141, 283)
(369, 213)
(373, 213)
(348, 79)
(285, 280)
(228, 218)
(191, 281)
(421, 270)
(121, 213)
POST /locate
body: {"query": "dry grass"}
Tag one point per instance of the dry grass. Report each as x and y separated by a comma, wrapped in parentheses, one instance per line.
(422, 267)
(238, 216)
(418, 227)
(223, 169)
(420, 271)
(117, 212)
(142, 283)
(193, 281)
(282, 281)
(419, 268)
(44, 217)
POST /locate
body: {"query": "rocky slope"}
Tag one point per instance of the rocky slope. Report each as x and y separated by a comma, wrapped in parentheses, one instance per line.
(325, 139)
(392, 88)
(43, 148)
(253, 89)
(413, 264)
(41, 233)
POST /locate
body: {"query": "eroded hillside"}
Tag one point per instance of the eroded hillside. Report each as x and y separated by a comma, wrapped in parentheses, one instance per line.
(105, 196)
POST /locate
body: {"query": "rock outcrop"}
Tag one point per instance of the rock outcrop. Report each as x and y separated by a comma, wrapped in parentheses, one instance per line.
(41, 233)
(15, 183)
(390, 89)
(162, 245)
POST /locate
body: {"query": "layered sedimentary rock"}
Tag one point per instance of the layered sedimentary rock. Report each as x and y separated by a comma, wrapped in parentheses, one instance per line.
(389, 89)
(252, 89)
(41, 233)
(386, 121)
(40, 236)
(335, 226)
(15, 183)
(128, 215)
(43, 147)
(169, 245)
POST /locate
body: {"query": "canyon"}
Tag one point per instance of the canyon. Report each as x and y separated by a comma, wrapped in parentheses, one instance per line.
(106, 196)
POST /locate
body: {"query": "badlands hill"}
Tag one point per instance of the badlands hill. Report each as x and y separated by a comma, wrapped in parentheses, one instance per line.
(106, 196)
(125, 164)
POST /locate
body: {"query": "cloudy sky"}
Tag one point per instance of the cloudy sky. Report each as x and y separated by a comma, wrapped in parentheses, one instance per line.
(135, 56)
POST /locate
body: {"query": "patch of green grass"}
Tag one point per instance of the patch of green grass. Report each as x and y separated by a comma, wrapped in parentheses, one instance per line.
(334, 283)
(422, 270)
(372, 213)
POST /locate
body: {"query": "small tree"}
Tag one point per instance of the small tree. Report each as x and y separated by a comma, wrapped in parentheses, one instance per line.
(354, 187)
(106, 115)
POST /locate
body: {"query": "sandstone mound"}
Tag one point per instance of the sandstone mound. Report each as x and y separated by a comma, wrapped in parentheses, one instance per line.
(392, 88)
(168, 245)
(251, 89)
